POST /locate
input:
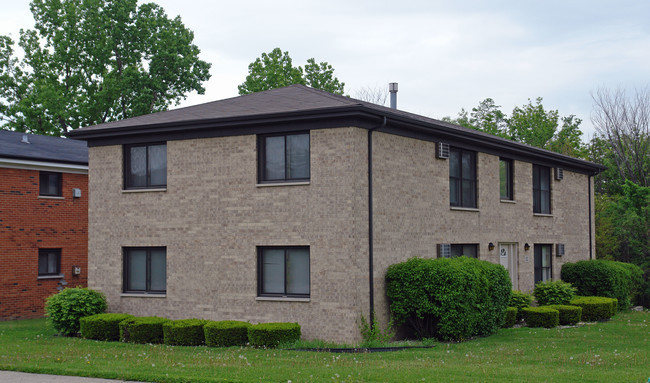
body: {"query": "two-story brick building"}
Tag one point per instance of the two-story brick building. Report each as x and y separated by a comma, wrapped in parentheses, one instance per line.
(289, 205)
(43, 220)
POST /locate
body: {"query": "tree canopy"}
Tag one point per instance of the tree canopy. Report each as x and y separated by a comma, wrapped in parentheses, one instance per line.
(275, 70)
(94, 61)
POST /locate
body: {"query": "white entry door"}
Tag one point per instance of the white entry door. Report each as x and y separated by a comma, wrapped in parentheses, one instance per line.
(508, 259)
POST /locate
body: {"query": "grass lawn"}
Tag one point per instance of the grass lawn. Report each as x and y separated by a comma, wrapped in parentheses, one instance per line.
(614, 351)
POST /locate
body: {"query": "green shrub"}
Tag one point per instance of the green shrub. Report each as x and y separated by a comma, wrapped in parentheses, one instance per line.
(142, 330)
(511, 317)
(65, 308)
(554, 293)
(596, 308)
(541, 317)
(569, 315)
(604, 279)
(184, 332)
(226, 333)
(520, 300)
(272, 334)
(102, 326)
(448, 299)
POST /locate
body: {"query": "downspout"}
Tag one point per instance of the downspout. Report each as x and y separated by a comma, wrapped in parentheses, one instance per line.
(591, 243)
(371, 280)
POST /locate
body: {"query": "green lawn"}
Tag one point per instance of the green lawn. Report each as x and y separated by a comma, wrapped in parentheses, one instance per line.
(614, 351)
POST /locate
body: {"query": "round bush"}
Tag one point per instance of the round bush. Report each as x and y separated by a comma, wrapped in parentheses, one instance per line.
(65, 308)
(448, 299)
(569, 315)
(184, 332)
(511, 317)
(272, 334)
(541, 317)
(142, 330)
(596, 308)
(226, 333)
(554, 293)
(520, 300)
(102, 326)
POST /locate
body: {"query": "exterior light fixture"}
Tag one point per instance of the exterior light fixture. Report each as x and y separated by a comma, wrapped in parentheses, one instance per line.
(526, 247)
(491, 246)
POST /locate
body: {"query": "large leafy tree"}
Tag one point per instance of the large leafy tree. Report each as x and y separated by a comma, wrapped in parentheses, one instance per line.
(275, 70)
(93, 61)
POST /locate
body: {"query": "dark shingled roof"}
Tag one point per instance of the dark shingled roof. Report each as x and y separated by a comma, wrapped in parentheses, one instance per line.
(42, 148)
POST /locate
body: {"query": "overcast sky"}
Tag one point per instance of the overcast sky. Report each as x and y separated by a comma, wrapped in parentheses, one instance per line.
(445, 55)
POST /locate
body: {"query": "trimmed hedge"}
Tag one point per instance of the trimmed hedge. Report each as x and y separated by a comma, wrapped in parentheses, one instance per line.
(226, 333)
(596, 308)
(184, 332)
(272, 334)
(102, 326)
(604, 279)
(65, 308)
(142, 330)
(554, 293)
(569, 315)
(511, 317)
(541, 317)
(520, 300)
(449, 299)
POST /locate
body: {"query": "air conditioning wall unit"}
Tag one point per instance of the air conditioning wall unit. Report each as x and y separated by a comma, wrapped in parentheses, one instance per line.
(559, 249)
(442, 150)
(444, 250)
(559, 174)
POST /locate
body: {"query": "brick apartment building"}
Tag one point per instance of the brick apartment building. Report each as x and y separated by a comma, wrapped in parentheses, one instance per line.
(290, 204)
(43, 220)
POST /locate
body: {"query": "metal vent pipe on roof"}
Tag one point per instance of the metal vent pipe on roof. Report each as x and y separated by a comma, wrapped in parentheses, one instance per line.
(25, 139)
(392, 88)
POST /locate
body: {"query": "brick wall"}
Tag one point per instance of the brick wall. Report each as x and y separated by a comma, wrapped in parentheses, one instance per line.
(29, 222)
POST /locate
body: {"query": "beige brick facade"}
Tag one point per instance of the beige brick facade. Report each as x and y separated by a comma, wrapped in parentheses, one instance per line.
(213, 215)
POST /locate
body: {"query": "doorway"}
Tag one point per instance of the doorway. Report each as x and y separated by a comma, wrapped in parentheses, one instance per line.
(508, 259)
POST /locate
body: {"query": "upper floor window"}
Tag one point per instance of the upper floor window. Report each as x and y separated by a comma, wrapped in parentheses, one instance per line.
(543, 263)
(541, 189)
(462, 178)
(49, 262)
(50, 184)
(283, 271)
(145, 270)
(284, 157)
(145, 166)
(506, 179)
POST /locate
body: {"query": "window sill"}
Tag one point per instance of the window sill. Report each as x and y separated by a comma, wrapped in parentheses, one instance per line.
(542, 215)
(283, 299)
(50, 197)
(143, 295)
(126, 191)
(464, 209)
(271, 184)
(58, 276)
(508, 201)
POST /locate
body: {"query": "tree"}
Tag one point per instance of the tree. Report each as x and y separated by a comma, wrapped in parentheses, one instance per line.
(275, 70)
(376, 95)
(486, 117)
(94, 61)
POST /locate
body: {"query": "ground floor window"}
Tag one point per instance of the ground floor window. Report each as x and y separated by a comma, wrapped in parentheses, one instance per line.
(49, 262)
(283, 271)
(458, 250)
(543, 263)
(145, 270)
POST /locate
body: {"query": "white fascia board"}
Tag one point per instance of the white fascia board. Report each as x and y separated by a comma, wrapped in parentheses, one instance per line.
(12, 163)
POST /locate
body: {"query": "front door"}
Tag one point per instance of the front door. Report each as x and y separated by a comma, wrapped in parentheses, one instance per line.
(508, 259)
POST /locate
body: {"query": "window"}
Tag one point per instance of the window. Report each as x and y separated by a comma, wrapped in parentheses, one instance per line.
(49, 262)
(145, 270)
(283, 271)
(462, 178)
(284, 157)
(470, 251)
(541, 189)
(50, 184)
(505, 179)
(542, 263)
(145, 166)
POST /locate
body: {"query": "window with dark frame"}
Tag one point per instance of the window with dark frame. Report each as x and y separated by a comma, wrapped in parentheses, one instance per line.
(50, 184)
(506, 179)
(145, 270)
(284, 157)
(462, 178)
(543, 259)
(49, 262)
(467, 250)
(145, 166)
(541, 189)
(283, 271)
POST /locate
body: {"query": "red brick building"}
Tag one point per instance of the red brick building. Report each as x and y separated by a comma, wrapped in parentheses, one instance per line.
(43, 220)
